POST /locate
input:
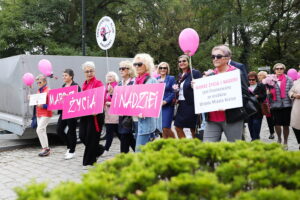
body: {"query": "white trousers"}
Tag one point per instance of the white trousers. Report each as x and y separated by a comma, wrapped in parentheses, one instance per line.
(41, 130)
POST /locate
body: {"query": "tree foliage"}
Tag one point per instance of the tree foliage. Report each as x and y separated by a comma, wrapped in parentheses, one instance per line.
(259, 32)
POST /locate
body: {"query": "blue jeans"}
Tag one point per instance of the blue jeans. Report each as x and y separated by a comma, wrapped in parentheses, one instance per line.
(254, 125)
(141, 140)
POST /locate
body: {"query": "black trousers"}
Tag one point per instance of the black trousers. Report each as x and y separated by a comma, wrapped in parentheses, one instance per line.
(91, 138)
(270, 122)
(297, 134)
(70, 138)
(111, 130)
(127, 141)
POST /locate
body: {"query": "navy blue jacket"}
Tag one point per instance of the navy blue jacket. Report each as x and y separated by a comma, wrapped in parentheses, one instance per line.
(187, 89)
(242, 67)
(169, 92)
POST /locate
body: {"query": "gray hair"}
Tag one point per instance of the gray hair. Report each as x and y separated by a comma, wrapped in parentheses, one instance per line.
(224, 48)
(114, 74)
(148, 61)
(41, 77)
(88, 64)
(279, 65)
(131, 69)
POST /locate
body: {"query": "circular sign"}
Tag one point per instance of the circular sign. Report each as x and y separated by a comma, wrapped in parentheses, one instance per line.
(105, 33)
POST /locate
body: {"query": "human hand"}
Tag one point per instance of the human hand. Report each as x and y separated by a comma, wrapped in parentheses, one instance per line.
(296, 96)
(163, 103)
(175, 87)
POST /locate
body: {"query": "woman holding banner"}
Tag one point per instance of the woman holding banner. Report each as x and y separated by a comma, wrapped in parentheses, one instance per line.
(70, 138)
(111, 121)
(169, 95)
(230, 121)
(43, 116)
(185, 116)
(126, 124)
(91, 126)
(146, 125)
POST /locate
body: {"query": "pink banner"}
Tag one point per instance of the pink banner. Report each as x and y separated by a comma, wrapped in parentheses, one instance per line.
(135, 99)
(89, 102)
(56, 96)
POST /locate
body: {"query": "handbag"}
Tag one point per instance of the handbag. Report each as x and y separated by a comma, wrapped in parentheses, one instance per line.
(127, 122)
(265, 108)
(251, 105)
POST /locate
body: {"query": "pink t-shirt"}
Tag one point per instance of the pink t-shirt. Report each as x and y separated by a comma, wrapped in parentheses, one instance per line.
(219, 116)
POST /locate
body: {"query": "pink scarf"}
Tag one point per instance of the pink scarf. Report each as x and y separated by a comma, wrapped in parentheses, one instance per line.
(281, 78)
(107, 95)
(141, 79)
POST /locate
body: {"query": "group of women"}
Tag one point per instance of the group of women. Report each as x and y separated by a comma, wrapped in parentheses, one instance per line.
(136, 131)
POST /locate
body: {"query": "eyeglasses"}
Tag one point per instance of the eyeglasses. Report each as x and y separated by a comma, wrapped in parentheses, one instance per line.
(38, 82)
(180, 61)
(219, 56)
(162, 68)
(279, 68)
(89, 71)
(122, 68)
(251, 80)
(139, 64)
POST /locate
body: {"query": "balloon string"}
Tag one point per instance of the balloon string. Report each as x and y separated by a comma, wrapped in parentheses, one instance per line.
(107, 61)
(191, 67)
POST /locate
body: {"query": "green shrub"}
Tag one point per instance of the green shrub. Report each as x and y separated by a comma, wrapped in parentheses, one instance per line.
(186, 169)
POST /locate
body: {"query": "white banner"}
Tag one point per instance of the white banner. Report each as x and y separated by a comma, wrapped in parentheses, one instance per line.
(105, 33)
(219, 92)
(36, 99)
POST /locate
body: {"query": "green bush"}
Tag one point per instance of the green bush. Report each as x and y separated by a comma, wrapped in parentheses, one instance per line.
(186, 169)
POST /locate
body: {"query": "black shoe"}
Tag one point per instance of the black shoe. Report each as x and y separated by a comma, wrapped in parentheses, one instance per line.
(44, 152)
(271, 136)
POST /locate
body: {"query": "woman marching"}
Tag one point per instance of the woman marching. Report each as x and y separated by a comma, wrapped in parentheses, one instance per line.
(70, 138)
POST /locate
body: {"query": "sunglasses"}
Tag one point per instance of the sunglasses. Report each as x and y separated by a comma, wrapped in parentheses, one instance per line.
(162, 68)
(251, 80)
(219, 56)
(279, 68)
(180, 61)
(89, 71)
(139, 64)
(123, 68)
(38, 82)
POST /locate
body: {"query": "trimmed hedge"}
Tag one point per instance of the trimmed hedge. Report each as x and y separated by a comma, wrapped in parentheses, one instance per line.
(186, 169)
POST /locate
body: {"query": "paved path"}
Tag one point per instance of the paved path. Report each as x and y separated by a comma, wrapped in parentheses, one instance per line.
(20, 166)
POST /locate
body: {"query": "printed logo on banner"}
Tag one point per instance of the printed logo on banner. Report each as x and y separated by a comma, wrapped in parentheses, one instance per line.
(219, 92)
(89, 102)
(56, 96)
(136, 99)
(105, 33)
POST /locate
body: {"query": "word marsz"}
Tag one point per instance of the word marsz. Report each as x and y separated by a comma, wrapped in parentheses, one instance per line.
(138, 99)
(56, 96)
(89, 102)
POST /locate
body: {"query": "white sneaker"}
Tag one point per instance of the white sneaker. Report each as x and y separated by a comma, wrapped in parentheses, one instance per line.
(67, 152)
(69, 156)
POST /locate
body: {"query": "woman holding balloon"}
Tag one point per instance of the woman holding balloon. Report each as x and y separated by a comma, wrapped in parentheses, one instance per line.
(185, 116)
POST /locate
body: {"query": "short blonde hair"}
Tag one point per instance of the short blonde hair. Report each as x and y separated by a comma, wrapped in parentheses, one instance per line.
(88, 64)
(279, 65)
(41, 77)
(131, 69)
(166, 64)
(148, 61)
(114, 74)
(262, 73)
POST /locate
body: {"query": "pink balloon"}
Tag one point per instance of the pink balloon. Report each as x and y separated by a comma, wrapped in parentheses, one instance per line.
(189, 41)
(28, 79)
(293, 74)
(45, 67)
(298, 76)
